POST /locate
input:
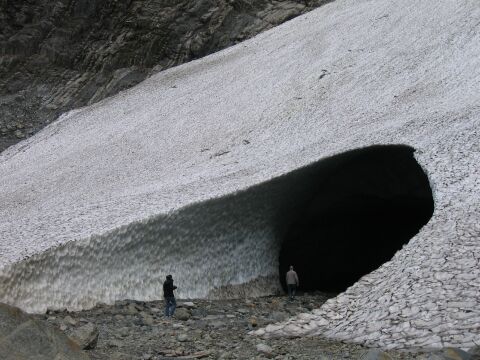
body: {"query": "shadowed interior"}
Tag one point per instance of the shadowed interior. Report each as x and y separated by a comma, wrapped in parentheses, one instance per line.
(365, 205)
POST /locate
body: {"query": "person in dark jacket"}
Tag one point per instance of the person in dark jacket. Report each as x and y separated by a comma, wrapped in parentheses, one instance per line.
(170, 303)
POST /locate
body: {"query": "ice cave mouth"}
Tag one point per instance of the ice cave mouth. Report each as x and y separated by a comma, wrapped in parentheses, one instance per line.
(362, 207)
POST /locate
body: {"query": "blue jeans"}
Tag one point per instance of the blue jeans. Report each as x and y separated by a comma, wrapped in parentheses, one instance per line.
(170, 306)
(292, 288)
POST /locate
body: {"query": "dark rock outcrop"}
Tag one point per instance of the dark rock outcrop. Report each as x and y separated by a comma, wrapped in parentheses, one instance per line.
(24, 337)
(56, 56)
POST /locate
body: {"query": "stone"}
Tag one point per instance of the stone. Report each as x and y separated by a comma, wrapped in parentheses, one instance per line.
(24, 337)
(182, 314)
(86, 336)
(265, 350)
(197, 339)
(216, 324)
(148, 320)
(114, 343)
(201, 354)
(450, 353)
(187, 304)
(69, 320)
(375, 354)
(278, 316)
(475, 352)
(183, 338)
(19, 134)
(131, 309)
(120, 356)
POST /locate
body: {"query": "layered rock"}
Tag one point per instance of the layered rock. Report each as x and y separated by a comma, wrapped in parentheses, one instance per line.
(56, 56)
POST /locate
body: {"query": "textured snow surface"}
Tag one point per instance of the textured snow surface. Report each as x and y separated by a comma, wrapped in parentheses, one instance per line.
(108, 199)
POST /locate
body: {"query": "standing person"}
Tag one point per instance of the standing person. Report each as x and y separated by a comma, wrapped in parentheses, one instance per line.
(170, 303)
(292, 283)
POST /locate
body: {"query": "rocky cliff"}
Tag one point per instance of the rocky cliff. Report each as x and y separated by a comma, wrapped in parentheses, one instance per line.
(60, 55)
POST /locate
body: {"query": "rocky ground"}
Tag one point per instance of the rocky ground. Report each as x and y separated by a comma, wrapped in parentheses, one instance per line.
(60, 55)
(209, 329)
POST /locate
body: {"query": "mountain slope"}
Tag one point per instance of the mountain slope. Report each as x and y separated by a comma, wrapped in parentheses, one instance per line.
(60, 55)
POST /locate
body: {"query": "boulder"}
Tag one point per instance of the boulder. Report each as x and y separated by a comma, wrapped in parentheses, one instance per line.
(450, 353)
(147, 319)
(265, 350)
(183, 337)
(182, 314)
(86, 336)
(375, 354)
(24, 337)
(68, 320)
(475, 352)
(131, 309)
(187, 304)
(277, 316)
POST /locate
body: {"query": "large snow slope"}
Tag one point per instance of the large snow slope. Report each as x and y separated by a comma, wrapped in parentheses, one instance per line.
(108, 199)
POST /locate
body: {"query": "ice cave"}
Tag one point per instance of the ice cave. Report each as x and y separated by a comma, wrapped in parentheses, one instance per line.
(363, 207)
(307, 145)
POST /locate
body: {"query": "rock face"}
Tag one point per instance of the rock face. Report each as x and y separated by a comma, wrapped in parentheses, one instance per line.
(23, 337)
(60, 55)
(198, 170)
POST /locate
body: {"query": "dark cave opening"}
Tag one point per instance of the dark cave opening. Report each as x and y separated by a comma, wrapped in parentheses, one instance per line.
(365, 205)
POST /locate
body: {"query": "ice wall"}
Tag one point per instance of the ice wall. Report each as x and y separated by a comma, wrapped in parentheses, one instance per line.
(224, 247)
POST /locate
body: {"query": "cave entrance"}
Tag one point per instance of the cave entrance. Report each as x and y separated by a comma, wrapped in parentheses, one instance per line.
(364, 206)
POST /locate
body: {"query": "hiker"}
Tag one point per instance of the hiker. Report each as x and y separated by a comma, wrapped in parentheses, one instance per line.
(292, 283)
(170, 303)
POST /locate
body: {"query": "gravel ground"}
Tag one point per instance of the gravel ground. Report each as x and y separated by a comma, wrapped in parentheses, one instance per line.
(209, 329)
